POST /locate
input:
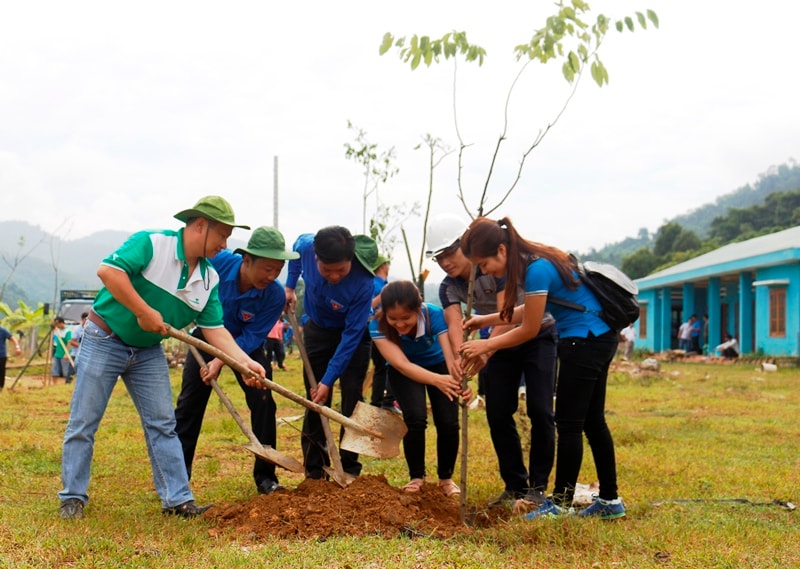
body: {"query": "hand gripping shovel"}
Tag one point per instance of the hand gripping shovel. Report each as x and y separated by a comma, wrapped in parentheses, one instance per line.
(370, 433)
(264, 452)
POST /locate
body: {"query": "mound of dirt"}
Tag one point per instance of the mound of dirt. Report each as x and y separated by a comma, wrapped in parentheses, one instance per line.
(318, 509)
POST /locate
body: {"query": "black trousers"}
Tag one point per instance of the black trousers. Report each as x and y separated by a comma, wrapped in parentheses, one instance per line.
(321, 344)
(381, 390)
(536, 360)
(411, 396)
(580, 410)
(193, 400)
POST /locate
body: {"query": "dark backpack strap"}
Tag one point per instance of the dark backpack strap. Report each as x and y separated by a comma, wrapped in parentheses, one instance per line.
(568, 304)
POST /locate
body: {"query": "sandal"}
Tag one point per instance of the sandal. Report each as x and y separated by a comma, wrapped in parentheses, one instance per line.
(449, 488)
(414, 486)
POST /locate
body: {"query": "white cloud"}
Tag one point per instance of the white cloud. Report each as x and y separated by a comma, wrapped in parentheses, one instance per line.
(118, 115)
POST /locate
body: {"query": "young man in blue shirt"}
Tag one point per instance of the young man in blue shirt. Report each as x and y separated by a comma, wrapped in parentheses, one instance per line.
(252, 302)
(337, 271)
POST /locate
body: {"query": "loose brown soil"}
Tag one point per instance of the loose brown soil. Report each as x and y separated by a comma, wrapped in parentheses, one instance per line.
(319, 509)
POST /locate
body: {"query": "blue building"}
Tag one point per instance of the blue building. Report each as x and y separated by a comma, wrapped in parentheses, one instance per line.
(750, 290)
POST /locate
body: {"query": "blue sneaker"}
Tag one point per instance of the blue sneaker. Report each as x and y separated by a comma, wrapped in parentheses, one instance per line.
(548, 509)
(604, 509)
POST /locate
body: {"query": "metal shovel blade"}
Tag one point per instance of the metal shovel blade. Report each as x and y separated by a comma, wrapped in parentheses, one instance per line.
(266, 452)
(343, 479)
(387, 423)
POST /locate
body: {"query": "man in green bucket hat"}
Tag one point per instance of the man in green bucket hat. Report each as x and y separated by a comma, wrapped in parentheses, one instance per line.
(337, 270)
(252, 302)
(155, 278)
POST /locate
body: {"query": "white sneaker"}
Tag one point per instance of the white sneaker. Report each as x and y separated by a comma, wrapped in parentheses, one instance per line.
(477, 403)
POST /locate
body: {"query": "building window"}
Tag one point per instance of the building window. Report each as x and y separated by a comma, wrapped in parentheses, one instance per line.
(643, 321)
(777, 313)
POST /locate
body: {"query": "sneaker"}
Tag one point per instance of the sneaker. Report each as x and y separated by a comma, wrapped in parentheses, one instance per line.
(534, 496)
(604, 509)
(548, 509)
(477, 403)
(506, 498)
(186, 510)
(71, 509)
(268, 486)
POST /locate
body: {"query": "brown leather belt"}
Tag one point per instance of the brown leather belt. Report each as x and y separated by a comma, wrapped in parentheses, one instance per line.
(98, 320)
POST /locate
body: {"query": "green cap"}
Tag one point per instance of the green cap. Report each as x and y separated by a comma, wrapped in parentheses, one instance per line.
(366, 252)
(211, 207)
(268, 242)
(381, 260)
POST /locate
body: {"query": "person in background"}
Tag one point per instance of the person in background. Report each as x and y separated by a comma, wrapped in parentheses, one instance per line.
(276, 351)
(729, 349)
(252, 302)
(586, 347)
(62, 362)
(628, 337)
(77, 335)
(685, 334)
(288, 338)
(5, 336)
(337, 270)
(408, 333)
(157, 277)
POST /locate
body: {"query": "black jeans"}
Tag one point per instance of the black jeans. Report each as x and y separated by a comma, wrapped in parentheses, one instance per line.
(193, 400)
(536, 360)
(580, 408)
(321, 344)
(411, 397)
(381, 391)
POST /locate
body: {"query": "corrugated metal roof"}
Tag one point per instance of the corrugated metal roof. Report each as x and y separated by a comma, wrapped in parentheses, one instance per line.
(763, 251)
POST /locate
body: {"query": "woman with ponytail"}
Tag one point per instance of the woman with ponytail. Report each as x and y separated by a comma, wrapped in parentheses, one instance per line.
(585, 349)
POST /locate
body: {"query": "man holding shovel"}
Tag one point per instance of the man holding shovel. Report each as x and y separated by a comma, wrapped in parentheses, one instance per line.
(337, 270)
(252, 302)
(156, 278)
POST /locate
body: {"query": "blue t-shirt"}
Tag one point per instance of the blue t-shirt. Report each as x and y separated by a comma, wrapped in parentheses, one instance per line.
(5, 336)
(344, 306)
(542, 278)
(248, 316)
(423, 347)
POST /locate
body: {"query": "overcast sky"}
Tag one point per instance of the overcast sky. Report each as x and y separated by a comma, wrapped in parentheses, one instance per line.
(116, 115)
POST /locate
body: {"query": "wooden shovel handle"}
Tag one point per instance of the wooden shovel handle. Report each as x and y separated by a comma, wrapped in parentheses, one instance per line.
(279, 389)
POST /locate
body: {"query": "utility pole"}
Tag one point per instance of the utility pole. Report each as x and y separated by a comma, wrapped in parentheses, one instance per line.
(275, 192)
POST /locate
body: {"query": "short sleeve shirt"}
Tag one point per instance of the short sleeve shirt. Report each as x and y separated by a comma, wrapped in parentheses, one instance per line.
(423, 347)
(158, 270)
(542, 278)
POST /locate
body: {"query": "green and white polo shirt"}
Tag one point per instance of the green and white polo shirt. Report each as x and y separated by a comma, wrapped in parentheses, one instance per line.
(156, 265)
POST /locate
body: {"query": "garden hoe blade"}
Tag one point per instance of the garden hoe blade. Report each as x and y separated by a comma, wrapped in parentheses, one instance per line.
(264, 452)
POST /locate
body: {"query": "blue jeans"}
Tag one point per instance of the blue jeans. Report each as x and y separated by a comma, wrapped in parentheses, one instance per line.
(580, 408)
(101, 360)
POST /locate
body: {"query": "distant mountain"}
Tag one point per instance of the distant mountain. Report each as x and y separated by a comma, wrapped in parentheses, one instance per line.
(35, 278)
(783, 178)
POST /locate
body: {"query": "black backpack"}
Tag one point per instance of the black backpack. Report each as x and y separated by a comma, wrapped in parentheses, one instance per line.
(615, 291)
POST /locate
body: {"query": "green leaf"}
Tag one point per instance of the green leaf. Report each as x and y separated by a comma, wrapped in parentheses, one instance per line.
(653, 17)
(629, 22)
(596, 74)
(386, 45)
(642, 21)
(618, 24)
(574, 62)
(569, 73)
(415, 60)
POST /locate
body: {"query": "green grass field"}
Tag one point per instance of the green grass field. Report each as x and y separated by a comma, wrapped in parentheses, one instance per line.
(702, 451)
